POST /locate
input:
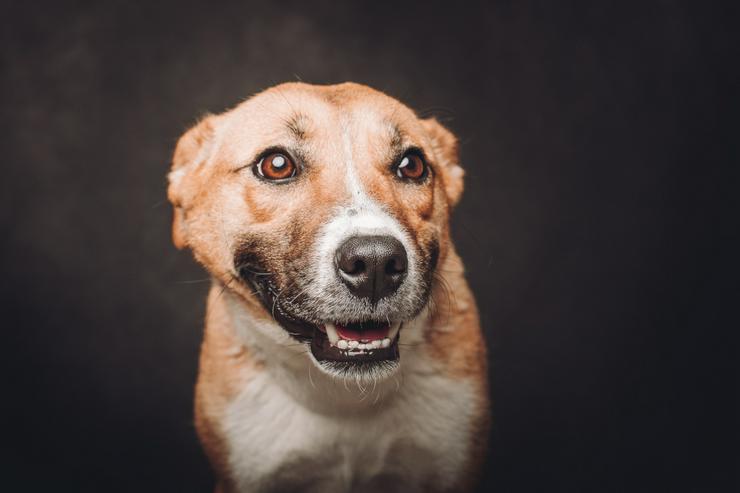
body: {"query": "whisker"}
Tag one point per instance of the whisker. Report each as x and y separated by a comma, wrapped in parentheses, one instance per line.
(296, 296)
(377, 398)
(194, 281)
(310, 378)
(256, 273)
(224, 287)
(275, 301)
(447, 292)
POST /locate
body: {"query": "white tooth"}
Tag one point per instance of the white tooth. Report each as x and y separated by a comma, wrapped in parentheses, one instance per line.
(342, 344)
(331, 333)
(353, 344)
(362, 346)
(386, 342)
(376, 344)
(394, 331)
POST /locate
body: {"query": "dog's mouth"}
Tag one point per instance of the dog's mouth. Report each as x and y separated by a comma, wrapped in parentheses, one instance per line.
(341, 345)
(357, 342)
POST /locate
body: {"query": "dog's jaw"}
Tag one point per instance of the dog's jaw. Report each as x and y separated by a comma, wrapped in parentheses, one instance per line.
(279, 352)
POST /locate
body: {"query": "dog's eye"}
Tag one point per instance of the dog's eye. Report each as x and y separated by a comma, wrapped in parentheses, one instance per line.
(276, 166)
(411, 167)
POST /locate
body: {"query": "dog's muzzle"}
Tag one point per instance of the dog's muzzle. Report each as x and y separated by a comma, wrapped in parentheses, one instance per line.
(369, 271)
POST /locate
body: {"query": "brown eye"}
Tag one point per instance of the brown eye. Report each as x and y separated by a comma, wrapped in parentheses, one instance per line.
(411, 167)
(276, 166)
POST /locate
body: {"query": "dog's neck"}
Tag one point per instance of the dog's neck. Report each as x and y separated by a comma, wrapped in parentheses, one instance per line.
(284, 361)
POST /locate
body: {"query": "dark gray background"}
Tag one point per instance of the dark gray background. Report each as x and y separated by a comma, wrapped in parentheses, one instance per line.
(594, 225)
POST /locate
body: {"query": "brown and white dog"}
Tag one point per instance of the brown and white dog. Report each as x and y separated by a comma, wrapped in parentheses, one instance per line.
(342, 349)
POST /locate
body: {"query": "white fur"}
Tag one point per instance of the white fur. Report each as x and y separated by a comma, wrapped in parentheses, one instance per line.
(359, 216)
(294, 428)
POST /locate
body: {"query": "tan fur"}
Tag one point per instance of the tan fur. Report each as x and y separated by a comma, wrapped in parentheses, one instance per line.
(225, 368)
(217, 202)
(462, 351)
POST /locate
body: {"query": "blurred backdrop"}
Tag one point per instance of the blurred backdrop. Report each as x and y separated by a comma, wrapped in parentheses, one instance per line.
(593, 136)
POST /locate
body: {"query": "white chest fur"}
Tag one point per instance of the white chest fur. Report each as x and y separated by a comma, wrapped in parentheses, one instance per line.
(415, 437)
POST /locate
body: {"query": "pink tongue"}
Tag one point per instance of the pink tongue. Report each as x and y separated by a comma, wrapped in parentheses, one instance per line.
(365, 335)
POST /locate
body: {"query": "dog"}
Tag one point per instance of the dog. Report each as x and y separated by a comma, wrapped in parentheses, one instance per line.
(342, 349)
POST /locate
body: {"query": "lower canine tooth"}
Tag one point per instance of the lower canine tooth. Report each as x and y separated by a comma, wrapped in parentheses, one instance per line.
(331, 333)
(342, 344)
(386, 342)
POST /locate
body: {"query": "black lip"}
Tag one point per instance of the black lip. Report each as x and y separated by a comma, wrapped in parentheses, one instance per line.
(324, 351)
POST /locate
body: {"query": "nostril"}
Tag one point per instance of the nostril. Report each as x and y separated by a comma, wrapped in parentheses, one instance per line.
(395, 266)
(358, 267)
(349, 263)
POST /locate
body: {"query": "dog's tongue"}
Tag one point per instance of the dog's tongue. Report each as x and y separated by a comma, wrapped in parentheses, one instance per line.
(357, 332)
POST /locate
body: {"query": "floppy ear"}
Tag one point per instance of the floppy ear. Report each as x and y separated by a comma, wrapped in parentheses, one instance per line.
(446, 150)
(192, 150)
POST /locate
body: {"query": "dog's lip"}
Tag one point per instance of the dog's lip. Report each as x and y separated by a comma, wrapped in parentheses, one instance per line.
(360, 342)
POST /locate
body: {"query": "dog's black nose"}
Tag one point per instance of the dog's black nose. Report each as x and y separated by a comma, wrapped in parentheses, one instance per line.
(372, 266)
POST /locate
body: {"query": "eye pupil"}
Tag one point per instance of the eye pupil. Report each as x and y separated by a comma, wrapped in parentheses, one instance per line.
(278, 161)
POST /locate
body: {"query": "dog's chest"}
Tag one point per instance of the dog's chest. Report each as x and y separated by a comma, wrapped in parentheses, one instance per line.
(416, 441)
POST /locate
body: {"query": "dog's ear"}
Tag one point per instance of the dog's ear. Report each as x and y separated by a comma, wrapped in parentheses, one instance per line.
(446, 149)
(192, 150)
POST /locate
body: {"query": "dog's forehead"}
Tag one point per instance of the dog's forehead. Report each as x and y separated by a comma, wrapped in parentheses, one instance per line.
(318, 115)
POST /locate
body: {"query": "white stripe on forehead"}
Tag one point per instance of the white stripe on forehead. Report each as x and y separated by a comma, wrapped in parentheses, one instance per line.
(359, 199)
(360, 216)
(368, 123)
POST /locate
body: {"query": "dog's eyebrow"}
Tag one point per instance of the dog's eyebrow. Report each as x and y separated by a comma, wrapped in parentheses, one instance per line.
(397, 138)
(296, 125)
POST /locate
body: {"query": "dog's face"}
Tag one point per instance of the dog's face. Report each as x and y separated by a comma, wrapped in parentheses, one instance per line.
(323, 207)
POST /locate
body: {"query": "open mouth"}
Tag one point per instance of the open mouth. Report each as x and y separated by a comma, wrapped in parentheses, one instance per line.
(357, 342)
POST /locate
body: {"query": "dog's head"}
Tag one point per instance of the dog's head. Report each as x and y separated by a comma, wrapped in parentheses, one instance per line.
(323, 207)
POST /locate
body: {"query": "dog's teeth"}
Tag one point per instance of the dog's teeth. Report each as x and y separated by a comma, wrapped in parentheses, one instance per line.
(394, 331)
(357, 346)
(331, 333)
